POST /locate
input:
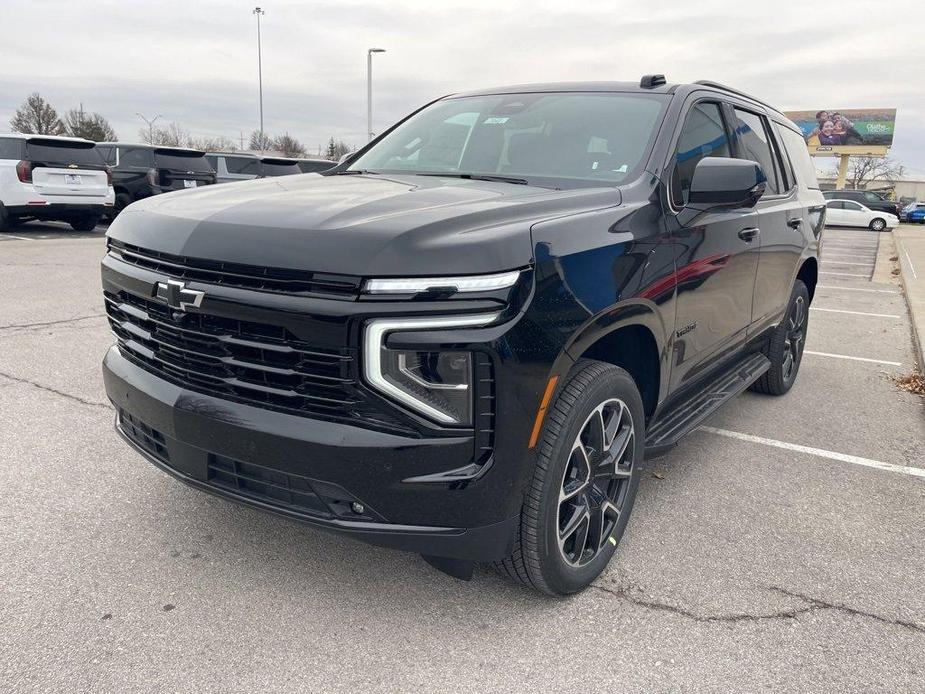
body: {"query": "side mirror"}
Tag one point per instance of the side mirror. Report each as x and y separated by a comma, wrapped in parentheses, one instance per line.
(345, 157)
(724, 182)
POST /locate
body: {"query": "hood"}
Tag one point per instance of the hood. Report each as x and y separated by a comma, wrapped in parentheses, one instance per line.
(368, 225)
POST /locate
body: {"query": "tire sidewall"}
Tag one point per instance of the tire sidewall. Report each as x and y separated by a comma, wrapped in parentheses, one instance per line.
(874, 224)
(557, 573)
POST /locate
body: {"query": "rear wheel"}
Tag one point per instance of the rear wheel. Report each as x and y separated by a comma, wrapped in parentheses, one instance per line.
(576, 508)
(85, 223)
(122, 201)
(877, 224)
(785, 348)
(6, 219)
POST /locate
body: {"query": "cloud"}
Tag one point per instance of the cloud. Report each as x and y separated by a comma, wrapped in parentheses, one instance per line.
(195, 62)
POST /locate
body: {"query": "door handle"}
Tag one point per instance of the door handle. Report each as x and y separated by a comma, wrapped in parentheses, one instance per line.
(749, 234)
(795, 223)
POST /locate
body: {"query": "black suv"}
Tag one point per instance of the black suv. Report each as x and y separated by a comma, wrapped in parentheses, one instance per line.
(463, 340)
(140, 171)
(867, 198)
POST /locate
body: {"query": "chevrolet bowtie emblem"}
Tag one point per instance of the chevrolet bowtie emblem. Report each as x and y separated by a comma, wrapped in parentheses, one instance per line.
(178, 296)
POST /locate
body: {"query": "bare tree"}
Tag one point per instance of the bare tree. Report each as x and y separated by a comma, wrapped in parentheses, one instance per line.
(36, 116)
(90, 126)
(336, 149)
(289, 146)
(260, 141)
(864, 170)
(172, 135)
(213, 144)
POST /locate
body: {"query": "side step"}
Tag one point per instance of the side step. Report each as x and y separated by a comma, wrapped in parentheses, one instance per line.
(688, 414)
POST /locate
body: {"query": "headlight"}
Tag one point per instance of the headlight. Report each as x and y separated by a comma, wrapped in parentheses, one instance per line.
(438, 384)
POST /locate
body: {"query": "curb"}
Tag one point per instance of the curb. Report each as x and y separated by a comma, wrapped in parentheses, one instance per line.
(914, 290)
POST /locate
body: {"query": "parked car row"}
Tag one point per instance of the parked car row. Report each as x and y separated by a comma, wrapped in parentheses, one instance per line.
(848, 213)
(79, 181)
(867, 198)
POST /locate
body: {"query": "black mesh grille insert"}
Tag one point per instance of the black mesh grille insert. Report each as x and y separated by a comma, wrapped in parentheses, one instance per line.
(254, 363)
(258, 277)
(265, 484)
(147, 437)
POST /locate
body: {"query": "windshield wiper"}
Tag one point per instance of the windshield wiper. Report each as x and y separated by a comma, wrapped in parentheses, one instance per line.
(478, 177)
(354, 172)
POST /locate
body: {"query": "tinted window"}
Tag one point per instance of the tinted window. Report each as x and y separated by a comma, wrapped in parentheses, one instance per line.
(135, 156)
(557, 139)
(279, 167)
(835, 205)
(213, 161)
(799, 157)
(872, 197)
(108, 153)
(10, 148)
(703, 135)
(754, 144)
(179, 161)
(848, 205)
(242, 165)
(314, 166)
(63, 153)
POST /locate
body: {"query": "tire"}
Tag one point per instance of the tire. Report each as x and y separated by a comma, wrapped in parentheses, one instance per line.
(6, 221)
(785, 348)
(543, 558)
(85, 223)
(122, 201)
(877, 224)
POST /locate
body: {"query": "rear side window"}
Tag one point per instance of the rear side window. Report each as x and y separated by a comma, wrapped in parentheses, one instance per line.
(135, 156)
(279, 168)
(180, 161)
(835, 205)
(314, 166)
(799, 157)
(703, 135)
(242, 165)
(63, 153)
(108, 153)
(10, 148)
(755, 144)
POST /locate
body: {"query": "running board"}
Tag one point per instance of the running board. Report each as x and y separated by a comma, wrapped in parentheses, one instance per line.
(689, 414)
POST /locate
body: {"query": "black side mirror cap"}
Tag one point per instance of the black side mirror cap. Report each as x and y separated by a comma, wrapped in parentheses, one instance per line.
(725, 182)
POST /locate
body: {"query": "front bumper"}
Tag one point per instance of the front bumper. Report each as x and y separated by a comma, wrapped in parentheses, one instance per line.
(313, 471)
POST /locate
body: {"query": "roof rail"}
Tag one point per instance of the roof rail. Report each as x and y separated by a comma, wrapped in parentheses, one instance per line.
(731, 90)
(652, 81)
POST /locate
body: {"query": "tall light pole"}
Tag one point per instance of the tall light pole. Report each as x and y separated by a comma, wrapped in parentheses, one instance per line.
(258, 12)
(369, 90)
(150, 125)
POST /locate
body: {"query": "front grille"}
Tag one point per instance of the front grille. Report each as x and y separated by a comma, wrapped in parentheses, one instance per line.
(257, 277)
(149, 438)
(253, 363)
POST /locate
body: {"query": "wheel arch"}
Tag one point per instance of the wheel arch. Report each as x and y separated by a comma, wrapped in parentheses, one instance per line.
(809, 275)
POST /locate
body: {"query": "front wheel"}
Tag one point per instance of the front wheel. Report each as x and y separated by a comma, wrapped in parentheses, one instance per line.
(579, 501)
(877, 224)
(785, 348)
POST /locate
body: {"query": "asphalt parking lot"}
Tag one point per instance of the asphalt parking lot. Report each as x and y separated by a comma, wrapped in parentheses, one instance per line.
(779, 549)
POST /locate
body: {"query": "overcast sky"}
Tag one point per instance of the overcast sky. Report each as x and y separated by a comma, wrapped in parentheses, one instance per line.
(195, 61)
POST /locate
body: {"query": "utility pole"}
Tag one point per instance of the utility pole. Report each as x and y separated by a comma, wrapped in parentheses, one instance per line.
(149, 122)
(369, 90)
(258, 12)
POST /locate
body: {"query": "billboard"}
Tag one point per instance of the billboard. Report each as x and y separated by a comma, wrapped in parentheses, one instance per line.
(846, 131)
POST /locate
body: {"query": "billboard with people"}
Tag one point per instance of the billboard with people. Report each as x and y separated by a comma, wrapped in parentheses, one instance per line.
(846, 131)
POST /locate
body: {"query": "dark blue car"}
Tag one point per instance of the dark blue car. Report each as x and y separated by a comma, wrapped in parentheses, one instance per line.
(914, 213)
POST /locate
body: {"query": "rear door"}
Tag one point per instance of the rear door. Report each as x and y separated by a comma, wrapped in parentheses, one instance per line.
(182, 169)
(717, 254)
(855, 214)
(780, 216)
(835, 212)
(66, 168)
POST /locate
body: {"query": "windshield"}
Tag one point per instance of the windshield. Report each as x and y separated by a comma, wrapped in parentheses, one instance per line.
(176, 161)
(64, 153)
(554, 139)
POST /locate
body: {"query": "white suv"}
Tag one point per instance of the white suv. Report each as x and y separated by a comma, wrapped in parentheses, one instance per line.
(52, 178)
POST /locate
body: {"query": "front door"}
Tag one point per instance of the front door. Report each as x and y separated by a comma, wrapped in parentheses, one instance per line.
(717, 255)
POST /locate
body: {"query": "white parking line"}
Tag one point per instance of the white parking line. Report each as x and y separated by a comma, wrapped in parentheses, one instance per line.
(821, 452)
(845, 356)
(842, 262)
(854, 313)
(855, 289)
(843, 274)
(911, 266)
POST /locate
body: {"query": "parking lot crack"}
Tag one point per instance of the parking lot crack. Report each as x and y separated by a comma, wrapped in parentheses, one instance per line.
(49, 389)
(809, 604)
(64, 321)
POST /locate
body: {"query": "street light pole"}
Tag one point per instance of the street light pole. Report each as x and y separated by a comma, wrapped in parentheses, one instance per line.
(258, 12)
(150, 126)
(369, 90)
